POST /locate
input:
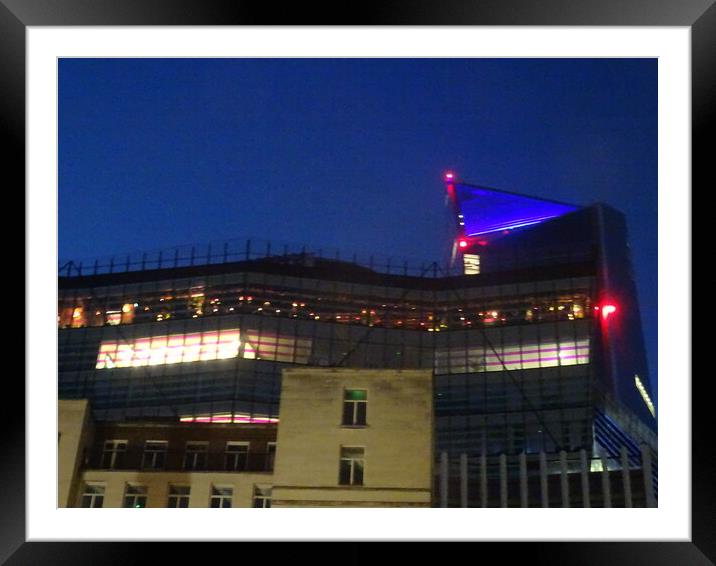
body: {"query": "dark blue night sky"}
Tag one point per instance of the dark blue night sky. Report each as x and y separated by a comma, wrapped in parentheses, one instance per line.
(347, 153)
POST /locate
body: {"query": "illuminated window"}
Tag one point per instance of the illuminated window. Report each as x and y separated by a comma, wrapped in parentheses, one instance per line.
(262, 346)
(236, 456)
(135, 496)
(471, 263)
(221, 497)
(171, 349)
(93, 495)
(351, 466)
(78, 317)
(127, 313)
(238, 418)
(113, 318)
(113, 453)
(196, 304)
(512, 357)
(202, 346)
(645, 396)
(64, 319)
(262, 497)
(155, 454)
(355, 404)
(178, 496)
(195, 455)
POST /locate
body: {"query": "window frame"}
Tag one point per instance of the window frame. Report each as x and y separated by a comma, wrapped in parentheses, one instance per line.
(262, 494)
(270, 461)
(352, 466)
(178, 496)
(195, 453)
(221, 497)
(236, 455)
(353, 405)
(93, 496)
(154, 454)
(139, 495)
(113, 463)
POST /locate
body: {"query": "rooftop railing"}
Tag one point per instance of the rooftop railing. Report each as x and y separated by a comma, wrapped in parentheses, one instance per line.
(231, 251)
(240, 250)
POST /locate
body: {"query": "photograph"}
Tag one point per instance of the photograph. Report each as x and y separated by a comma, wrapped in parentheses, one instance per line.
(357, 282)
(417, 273)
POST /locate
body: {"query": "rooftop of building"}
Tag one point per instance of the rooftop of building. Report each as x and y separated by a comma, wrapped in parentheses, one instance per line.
(262, 256)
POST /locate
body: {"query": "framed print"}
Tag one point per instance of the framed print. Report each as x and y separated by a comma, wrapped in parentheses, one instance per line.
(502, 393)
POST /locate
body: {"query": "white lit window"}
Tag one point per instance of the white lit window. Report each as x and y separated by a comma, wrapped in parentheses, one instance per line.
(221, 497)
(93, 495)
(171, 349)
(471, 263)
(202, 346)
(512, 357)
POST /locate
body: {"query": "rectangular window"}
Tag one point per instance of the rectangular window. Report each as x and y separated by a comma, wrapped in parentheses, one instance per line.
(238, 418)
(237, 456)
(199, 346)
(113, 318)
(510, 357)
(221, 497)
(355, 404)
(270, 456)
(471, 264)
(195, 455)
(128, 313)
(113, 454)
(78, 317)
(93, 495)
(155, 454)
(135, 496)
(276, 347)
(178, 496)
(169, 349)
(262, 497)
(352, 464)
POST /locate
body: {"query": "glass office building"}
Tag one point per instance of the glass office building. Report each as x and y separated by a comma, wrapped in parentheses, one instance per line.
(532, 328)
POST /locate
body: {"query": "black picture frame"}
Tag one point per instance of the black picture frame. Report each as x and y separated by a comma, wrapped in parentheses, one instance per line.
(698, 15)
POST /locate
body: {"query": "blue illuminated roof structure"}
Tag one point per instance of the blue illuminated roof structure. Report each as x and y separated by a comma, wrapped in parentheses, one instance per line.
(485, 210)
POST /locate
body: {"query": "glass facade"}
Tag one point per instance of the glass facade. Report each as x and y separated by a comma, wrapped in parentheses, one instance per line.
(517, 349)
(177, 358)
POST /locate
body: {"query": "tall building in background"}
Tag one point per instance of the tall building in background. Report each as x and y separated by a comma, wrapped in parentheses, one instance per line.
(531, 331)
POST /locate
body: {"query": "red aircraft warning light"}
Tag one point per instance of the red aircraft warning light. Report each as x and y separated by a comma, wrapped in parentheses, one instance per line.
(449, 176)
(607, 310)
